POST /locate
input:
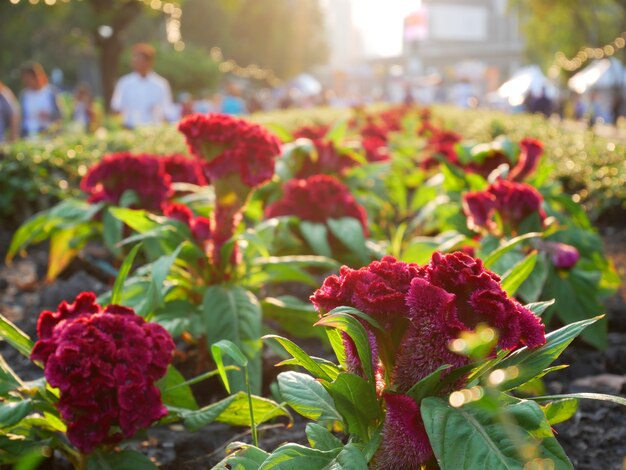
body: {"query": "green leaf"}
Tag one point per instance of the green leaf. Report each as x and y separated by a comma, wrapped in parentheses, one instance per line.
(302, 261)
(176, 316)
(321, 438)
(234, 314)
(336, 342)
(292, 315)
(234, 410)
(160, 269)
(353, 328)
(331, 369)
(231, 350)
(577, 299)
(139, 220)
(427, 385)
(302, 358)
(532, 287)
(508, 246)
(349, 232)
(316, 235)
(299, 457)
(15, 337)
(65, 243)
(12, 412)
(514, 277)
(174, 392)
(9, 380)
(116, 295)
(539, 307)
(586, 396)
(31, 231)
(124, 460)
(337, 132)
(307, 396)
(356, 401)
(530, 363)
(560, 410)
(243, 457)
(350, 458)
(472, 437)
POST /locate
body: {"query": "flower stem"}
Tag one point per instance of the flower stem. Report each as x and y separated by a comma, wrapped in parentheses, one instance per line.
(255, 438)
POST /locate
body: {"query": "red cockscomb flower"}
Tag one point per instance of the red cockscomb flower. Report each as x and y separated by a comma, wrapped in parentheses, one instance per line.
(183, 169)
(405, 443)
(230, 145)
(433, 305)
(563, 256)
(200, 226)
(514, 202)
(143, 174)
(455, 294)
(531, 151)
(311, 132)
(317, 199)
(105, 363)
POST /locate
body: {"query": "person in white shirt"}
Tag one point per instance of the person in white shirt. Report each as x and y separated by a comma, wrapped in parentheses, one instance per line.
(38, 100)
(142, 97)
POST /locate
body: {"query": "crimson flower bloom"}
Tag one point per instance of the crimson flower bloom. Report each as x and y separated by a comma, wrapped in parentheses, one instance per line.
(232, 146)
(514, 202)
(119, 172)
(531, 151)
(183, 169)
(429, 306)
(311, 132)
(563, 256)
(405, 443)
(105, 363)
(317, 199)
(200, 226)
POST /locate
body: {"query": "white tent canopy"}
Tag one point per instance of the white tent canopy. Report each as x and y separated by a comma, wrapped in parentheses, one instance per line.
(605, 73)
(528, 79)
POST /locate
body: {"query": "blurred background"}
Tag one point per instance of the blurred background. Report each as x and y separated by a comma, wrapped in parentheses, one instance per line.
(559, 56)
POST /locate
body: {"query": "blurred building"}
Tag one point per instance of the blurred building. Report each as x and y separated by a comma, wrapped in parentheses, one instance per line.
(469, 40)
(344, 39)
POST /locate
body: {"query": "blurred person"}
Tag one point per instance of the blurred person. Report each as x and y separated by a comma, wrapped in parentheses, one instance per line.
(84, 112)
(185, 106)
(232, 103)
(409, 99)
(9, 115)
(462, 93)
(142, 97)
(38, 100)
(543, 104)
(206, 104)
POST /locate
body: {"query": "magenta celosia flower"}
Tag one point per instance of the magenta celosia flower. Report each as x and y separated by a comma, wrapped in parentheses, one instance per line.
(378, 289)
(531, 151)
(143, 174)
(563, 256)
(232, 146)
(376, 149)
(317, 199)
(311, 132)
(405, 443)
(200, 226)
(421, 310)
(328, 159)
(513, 202)
(492, 160)
(183, 169)
(105, 363)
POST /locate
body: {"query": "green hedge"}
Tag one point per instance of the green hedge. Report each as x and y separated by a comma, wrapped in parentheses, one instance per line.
(34, 175)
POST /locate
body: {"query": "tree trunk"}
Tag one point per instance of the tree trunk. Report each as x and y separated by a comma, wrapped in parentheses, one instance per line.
(110, 53)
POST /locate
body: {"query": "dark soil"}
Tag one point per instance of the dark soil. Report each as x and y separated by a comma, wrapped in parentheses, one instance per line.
(595, 439)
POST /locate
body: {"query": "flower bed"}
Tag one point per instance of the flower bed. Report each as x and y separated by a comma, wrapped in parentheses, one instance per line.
(466, 272)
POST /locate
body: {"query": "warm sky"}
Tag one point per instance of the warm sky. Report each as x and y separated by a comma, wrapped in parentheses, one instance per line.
(381, 23)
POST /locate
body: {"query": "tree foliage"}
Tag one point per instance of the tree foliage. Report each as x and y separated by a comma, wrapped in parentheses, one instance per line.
(568, 25)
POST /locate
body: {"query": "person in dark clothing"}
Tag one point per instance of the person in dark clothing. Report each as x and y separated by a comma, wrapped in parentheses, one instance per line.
(543, 104)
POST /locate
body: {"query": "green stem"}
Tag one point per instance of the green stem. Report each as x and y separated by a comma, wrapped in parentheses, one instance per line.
(255, 438)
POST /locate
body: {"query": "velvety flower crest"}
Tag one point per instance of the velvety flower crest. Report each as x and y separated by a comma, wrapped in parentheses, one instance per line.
(105, 363)
(513, 202)
(230, 145)
(317, 199)
(145, 175)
